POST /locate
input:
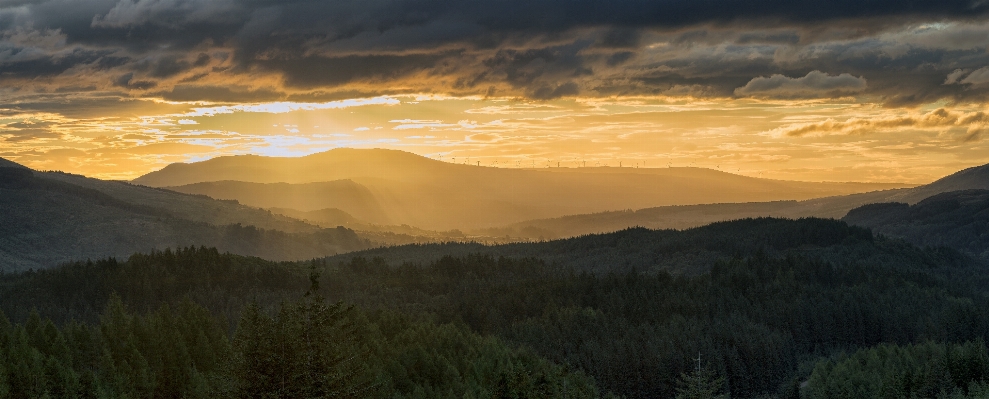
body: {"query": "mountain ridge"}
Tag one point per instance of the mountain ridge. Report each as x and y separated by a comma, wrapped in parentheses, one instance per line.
(687, 216)
(51, 217)
(957, 219)
(436, 195)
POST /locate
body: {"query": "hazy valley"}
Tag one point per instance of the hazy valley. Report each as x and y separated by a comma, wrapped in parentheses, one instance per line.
(429, 194)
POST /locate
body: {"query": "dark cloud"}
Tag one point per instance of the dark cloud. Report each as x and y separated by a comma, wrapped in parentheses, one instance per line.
(218, 94)
(763, 37)
(621, 38)
(28, 129)
(909, 52)
(549, 92)
(168, 66)
(127, 81)
(202, 59)
(620, 58)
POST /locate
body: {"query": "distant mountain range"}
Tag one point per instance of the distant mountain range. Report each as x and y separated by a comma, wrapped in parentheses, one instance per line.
(50, 217)
(681, 217)
(382, 197)
(430, 194)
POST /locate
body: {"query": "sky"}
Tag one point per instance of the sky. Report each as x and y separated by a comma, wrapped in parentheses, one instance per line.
(814, 90)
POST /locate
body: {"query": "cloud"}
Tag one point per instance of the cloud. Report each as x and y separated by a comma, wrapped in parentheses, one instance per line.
(284, 107)
(954, 76)
(405, 124)
(973, 122)
(484, 137)
(978, 77)
(309, 50)
(814, 84)
(28, 129)
(171, 13)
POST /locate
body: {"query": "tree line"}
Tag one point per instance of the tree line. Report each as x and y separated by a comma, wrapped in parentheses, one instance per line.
(761, 316)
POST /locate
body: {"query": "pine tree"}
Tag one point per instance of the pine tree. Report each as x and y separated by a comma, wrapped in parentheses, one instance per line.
(255, 365)
(700, 384)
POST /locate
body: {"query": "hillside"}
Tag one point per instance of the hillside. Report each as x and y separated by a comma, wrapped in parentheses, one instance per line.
(762, 301)
(687, 252)
(10, 164)
(320, 217)
(957, 219)
(48, 217)
(679, 217)
(344, 195)
(436, 195)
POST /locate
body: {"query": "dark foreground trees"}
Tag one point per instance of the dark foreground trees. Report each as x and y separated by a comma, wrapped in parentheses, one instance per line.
(926, 370)
(497, 326)
(308, 349)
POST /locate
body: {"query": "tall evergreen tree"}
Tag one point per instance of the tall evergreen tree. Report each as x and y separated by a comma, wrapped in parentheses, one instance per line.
(701, 384)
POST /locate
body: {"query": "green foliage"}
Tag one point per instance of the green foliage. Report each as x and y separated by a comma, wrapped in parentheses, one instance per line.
(689, 252)
(701, 384)
(577, 318)
(926, 370)
(958, 219)
(307, 349)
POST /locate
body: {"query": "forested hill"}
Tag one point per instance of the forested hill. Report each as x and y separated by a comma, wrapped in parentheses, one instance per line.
(690, 251)
(958, 219)
(778, 297)
(49, 217)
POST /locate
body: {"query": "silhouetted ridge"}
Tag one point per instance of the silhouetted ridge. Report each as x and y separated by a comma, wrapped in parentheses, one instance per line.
(681, 217)
(957, 219)
(49, 217)
(4, 163)
(643, 249)
(976, 177)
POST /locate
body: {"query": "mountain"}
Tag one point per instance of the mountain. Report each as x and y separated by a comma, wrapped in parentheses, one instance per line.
(680, 217)
(344, 195)
(957, 219)
(976, 177)
(436, 195)
(50, 217)
(11, 164)
(320, 217)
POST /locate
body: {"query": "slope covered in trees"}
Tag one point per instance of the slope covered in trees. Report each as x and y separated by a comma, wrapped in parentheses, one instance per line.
(924, 370)
(691, 251)
(306, 349)
(50, 217)
(958, 219)
(761, 300)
